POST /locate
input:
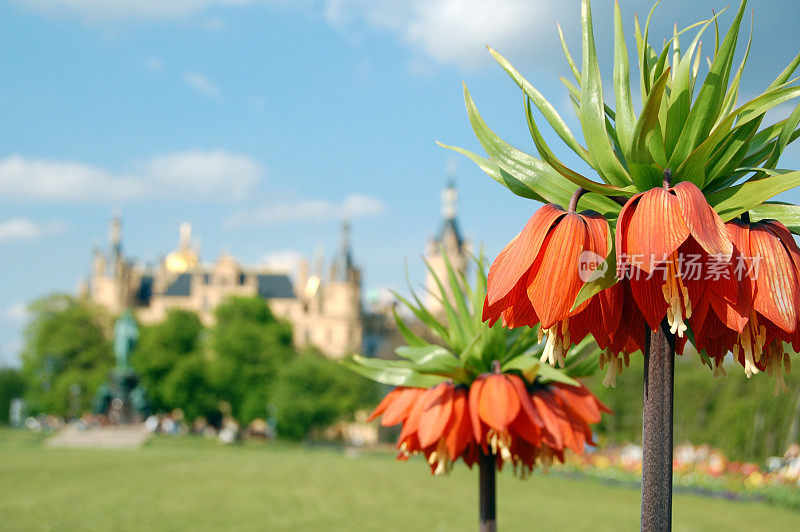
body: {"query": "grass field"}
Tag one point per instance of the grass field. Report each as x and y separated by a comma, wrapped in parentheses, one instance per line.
(194, 484)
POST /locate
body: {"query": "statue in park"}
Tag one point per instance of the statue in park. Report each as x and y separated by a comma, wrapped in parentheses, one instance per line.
(126, 336)
(122, 399)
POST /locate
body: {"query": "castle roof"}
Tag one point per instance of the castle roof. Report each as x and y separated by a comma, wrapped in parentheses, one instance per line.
(269, 286)
(181, 286)
(275, 286)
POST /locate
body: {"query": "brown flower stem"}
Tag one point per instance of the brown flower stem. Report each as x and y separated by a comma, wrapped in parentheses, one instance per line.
(659, 379)
(487, 492)
(667, 179)
(621, 200)
(573, 202)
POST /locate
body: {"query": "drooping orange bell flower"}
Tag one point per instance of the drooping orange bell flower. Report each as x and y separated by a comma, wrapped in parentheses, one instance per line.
(498, 413)
(767, 309)
(435, 421)
(521, 426)
(537, 276)
(659, 232)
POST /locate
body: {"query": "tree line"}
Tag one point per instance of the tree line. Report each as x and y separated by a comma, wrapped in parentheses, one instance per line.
(244, 366)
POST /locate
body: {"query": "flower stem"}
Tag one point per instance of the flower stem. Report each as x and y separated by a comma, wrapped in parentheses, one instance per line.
(667, 183)
(573, 202)
(487, 491)
(659, 379)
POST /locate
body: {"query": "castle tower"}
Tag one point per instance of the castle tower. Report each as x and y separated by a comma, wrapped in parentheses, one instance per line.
(110, 280)
(448, 240)
(342, 331)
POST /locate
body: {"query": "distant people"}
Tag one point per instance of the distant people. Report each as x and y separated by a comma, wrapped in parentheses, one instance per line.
(152, 423)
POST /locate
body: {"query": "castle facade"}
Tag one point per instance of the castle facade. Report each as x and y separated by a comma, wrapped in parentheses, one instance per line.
(325, 311)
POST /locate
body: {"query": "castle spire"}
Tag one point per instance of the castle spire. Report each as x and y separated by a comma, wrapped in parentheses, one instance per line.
(343, 264)
(450, 195)
(115, 234)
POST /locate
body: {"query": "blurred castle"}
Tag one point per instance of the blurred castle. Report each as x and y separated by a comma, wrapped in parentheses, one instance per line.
(325, 311)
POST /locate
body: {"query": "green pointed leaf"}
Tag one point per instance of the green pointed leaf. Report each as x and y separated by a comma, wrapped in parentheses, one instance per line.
(408, 335)
(626, 119)
(547, 373)
(733, 91)
(536, 174)
(425, 354)
(593, 119)
(647, 122)
(787, 72)
(680, 94)
(784, 138)
(728, 156)
(548, 111)
(785, 213)
(549, 157)
(392, 376)
(733, 201)
(494, 171)
(694, 167)
(707, 106)
(570, 61)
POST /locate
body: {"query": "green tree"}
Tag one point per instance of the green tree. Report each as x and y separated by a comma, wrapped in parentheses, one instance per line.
(740, 416)
(11, 386)
(66, 344)
(312, 392)
(250, 345)
(173, 366)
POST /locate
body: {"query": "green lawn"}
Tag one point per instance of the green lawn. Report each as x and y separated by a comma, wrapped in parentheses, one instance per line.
(194, 484)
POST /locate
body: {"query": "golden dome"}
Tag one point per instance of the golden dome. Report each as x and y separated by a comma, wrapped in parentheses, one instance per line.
(184, 258)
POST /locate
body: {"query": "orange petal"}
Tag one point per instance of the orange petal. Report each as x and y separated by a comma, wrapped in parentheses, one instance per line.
(582, 404)
(548, 418)
(515, 259)
(381, 408)
(556, 279)
(435, 414)
(526, 406)
(786, 237)
(776, 282)
(400, 408)
(703, 222)
(411, 423)
(518, 311)
(655, 230)
(475, 390)
(649, 297)
(459, 434)
(498, 404)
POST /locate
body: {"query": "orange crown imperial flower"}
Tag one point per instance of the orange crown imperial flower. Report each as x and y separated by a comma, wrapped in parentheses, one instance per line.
(767, 308)
(497, 414)
(656, 231)
(538, 275)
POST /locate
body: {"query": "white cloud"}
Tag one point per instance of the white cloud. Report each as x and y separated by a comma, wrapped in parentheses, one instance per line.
(16, 229)
(192, 175)
(453, 31)
(286, 260)
(312, 210)
(100, 10)
(18, 312)
(201, 84)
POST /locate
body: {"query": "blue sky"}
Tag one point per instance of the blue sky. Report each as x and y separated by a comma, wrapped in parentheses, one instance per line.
(264, 122)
